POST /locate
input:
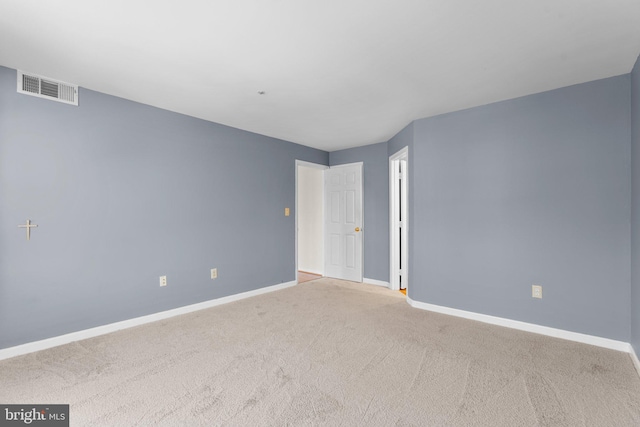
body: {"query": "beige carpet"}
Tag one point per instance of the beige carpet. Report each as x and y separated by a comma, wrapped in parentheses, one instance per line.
(328, 353)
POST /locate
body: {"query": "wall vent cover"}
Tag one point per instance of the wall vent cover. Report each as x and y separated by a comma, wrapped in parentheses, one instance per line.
(44, 87)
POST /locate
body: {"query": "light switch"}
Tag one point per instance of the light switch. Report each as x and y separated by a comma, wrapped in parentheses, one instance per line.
(286, 211)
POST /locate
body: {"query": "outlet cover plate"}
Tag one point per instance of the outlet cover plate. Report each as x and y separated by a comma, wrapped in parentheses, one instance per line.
(536, 291)
(214, 273)
(163, 280)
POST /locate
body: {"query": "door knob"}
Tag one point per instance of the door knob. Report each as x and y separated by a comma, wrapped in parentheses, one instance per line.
(357, 229)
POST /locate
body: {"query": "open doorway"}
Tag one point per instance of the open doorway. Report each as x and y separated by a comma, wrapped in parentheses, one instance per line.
(398, 220)
(309, 221)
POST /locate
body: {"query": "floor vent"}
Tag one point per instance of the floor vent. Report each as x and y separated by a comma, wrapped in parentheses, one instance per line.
(44, 87)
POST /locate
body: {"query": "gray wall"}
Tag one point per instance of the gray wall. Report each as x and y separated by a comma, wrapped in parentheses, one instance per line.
(635, 207)
(531, 190)
(375, 172)
(124, 193)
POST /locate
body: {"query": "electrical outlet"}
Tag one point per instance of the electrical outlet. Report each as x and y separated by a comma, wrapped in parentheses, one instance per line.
(536, 291)
(214, 273)
(163, 280)
(286, 212)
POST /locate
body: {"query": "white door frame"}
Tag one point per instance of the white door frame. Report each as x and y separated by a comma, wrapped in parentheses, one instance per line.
(394, 234)
(315, 166)
(360, 165)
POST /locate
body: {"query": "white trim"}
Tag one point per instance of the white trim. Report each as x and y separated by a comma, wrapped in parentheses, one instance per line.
(302, 163)
(375, 282)
(130, 323)
(402, 154)
(523, 326)
(634, 359)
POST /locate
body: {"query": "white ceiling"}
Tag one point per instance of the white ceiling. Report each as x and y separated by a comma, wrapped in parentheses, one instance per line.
(337, 74)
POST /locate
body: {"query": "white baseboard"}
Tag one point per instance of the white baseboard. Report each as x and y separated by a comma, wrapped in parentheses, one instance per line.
(634, 358)
(375, 282)
(523, 326)
(113, 327)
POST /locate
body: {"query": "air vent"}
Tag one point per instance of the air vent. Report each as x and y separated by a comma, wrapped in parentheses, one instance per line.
(44, 87)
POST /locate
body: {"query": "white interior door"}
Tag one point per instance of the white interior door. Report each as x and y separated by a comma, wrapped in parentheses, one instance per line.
(403, 223)
(343, 222)
(399, 223)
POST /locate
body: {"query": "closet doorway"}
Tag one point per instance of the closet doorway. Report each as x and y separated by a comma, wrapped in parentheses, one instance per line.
(309, 221)
(398, 219)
